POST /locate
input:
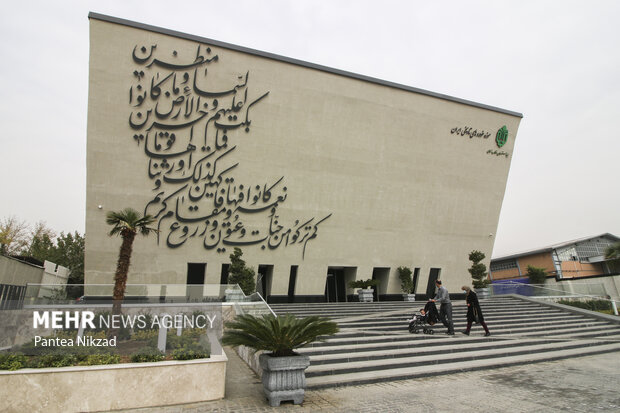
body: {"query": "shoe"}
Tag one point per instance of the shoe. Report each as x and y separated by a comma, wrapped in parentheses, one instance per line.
(449, 333)
(487, 334)
(465, 332)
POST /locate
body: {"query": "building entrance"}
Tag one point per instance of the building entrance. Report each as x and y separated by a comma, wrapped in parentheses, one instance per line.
(263, 281)
(195, 281)
(432, 277)
(335, 289)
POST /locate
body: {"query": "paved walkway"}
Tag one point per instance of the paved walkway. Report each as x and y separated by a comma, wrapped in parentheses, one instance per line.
(584, 384)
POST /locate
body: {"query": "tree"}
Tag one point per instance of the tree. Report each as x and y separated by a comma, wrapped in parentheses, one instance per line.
(612, 253)
(42, 248)
(126, 223)
(13, 236)
(536, 275)
(41, 244)
(239, 273)
(478, 270)
(70, 254)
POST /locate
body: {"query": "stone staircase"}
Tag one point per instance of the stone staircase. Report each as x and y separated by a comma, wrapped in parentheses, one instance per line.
(374, 344)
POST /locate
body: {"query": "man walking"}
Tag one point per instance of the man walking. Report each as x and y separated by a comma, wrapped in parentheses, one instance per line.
(445, 310)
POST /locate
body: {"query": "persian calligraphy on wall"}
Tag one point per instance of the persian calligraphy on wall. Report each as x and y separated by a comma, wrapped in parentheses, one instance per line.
(188, 123)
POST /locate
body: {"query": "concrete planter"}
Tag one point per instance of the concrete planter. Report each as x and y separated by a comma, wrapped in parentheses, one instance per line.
(284, 378)
(365, 295)
(113, 386)
(409, 297)
(483, 292)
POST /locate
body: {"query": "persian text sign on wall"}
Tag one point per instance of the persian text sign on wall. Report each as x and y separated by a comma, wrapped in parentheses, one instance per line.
(189, 122)
(501, 137)
(470, 132)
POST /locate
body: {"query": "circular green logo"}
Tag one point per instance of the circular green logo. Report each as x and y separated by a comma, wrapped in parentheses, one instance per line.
(501, 137)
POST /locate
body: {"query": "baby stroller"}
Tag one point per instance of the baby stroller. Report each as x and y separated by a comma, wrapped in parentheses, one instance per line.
(427, 317)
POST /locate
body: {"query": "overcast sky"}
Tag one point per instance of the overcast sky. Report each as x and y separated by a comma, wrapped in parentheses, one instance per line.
(557, 62)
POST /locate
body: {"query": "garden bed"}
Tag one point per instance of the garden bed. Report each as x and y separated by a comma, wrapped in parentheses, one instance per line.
(111, 387)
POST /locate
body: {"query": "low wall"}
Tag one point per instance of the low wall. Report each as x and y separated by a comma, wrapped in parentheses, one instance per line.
(251, 359)
(16, 272)
(111, 387)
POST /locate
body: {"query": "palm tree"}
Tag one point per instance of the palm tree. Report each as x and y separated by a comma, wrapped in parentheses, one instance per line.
(278, 334)
(126, 223)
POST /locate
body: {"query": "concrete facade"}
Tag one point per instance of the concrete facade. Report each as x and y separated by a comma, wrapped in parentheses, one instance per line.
(307, 169)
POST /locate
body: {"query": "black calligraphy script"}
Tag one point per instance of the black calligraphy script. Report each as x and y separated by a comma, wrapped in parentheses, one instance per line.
(189, 126)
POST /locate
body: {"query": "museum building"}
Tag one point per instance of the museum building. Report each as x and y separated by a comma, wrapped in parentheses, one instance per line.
(319, 176)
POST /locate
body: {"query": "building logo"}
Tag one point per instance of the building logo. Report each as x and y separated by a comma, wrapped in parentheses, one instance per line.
(502, 136)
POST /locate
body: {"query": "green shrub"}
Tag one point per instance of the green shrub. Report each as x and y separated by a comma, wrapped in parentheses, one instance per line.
(592, 305)
(173, 341)
(12, 361)
(145, 335)
(363, 283)
(190, 352)
(97, 359)
(148, 322)
(147, 354)
(52, 360)
(536, 275)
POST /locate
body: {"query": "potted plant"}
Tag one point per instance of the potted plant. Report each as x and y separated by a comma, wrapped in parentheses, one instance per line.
(365, 291)
(406, 283)
(283, 375)
(478, 273)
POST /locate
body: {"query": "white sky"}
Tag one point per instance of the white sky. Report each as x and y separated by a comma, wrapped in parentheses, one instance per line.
(557, 62)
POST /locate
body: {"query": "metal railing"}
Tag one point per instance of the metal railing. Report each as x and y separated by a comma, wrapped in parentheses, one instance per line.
(580, 292)
(254, 304)
(48, 294)
(35, 295)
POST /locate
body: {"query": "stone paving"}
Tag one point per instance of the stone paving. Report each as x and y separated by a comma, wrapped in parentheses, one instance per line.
(583, 384)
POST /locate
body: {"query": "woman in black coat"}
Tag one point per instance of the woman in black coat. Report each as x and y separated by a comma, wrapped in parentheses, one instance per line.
(474, 312)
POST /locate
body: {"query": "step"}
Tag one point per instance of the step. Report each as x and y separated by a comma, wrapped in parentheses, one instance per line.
(374, 343)
(504, 320)
(334, 380)
(409, 350)
(409, 343)
(547, 328)
(417, 341)
(434, 358)
(357, 336)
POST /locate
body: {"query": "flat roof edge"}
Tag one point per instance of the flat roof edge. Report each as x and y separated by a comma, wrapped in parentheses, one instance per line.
(174, 33)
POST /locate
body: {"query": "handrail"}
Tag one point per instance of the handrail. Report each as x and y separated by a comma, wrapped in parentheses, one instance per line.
(541, 286)
(565, 293)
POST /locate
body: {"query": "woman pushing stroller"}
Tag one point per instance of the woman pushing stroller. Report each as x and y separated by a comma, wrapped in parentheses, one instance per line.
(474, 312)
